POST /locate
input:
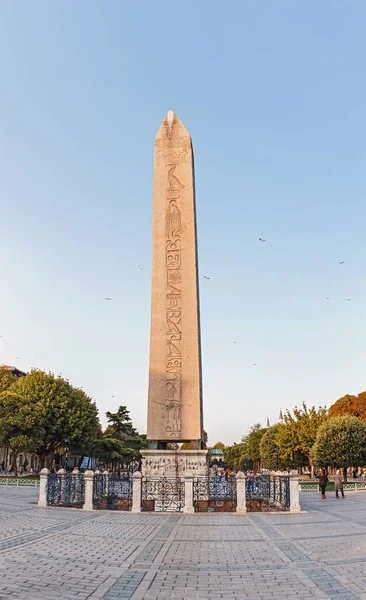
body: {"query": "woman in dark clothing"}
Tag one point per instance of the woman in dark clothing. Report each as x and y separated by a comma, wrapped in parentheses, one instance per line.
(323, 480)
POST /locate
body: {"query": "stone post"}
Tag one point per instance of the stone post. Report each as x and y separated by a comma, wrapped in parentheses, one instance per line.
(62, 497)
(106, 486)
(241, 503)
(43, 487)
(294, 495)
(136, 492)
(188, 494)
(89, 485)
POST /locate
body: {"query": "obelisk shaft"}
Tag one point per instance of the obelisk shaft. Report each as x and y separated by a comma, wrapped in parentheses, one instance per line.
(175, 390)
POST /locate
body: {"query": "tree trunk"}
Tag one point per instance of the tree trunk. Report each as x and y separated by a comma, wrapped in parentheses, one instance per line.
(42, 460)
(312, 471)
(15, 456)
(345, 474)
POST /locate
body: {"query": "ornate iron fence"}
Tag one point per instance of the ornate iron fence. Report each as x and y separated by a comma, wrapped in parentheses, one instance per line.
(67, 489)
(111, 492)
(163, 494)
(212, 494)
(268, 493)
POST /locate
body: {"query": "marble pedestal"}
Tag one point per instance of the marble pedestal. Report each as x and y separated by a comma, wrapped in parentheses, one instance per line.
(174, 463)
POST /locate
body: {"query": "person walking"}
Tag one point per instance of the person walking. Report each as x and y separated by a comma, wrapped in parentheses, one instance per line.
(338, 484)
(323, 480)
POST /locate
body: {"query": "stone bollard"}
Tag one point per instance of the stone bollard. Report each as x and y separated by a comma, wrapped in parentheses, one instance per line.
(106, 481)
(241, 503)
(43, 487)
(136, 492)
(62, 486)
(89, 488)
(294, 495)
(188, 495)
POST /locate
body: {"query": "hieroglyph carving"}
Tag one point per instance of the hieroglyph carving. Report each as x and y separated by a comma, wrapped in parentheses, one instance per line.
(173, 383)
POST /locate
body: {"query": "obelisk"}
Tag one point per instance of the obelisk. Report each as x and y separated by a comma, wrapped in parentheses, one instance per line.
(175, 381)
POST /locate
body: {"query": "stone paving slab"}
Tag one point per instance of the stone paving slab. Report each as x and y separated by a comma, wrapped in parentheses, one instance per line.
(69, 554)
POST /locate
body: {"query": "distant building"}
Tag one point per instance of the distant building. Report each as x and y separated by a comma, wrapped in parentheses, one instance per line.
(216, 456)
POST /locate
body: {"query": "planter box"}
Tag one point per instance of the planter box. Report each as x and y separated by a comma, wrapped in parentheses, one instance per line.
(201, 505)
(224, 505)
(148, 505)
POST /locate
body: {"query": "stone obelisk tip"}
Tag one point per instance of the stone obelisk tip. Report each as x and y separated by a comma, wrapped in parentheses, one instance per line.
(171, 126)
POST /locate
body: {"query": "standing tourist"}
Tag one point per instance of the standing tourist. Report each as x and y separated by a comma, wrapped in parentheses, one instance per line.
(338, 484)
(323, 480)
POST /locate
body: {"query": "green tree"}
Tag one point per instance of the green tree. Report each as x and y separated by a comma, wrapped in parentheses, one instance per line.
(233, 454)
(7, 378)
(219, 445)
(255, 435)
(19, 425)
(270, 450)
(66, 415)
(120, 441)
(120, 424)
(340, 443)
(298, 434)
(111, 450)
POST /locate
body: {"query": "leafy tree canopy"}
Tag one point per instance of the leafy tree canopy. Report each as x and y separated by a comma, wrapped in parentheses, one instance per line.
(7, 378)
(66, 415)
(298, 434)
(20, 427)
(219, 445)
(120, 424)
(270, 450)
(341, 442)
(350, 405)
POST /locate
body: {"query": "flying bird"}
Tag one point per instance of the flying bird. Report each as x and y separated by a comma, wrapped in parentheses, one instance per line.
(17, 357)
(254, 364)
(262, 240)
(205, 277)
(140, 268)
(348, 299)
(234, 342)
(107, 298)
(328, 298)
(341, 262)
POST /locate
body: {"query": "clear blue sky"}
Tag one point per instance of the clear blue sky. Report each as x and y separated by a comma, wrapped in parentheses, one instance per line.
(274, 96)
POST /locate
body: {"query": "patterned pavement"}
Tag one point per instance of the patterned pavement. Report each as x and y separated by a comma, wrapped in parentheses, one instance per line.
(69, 554)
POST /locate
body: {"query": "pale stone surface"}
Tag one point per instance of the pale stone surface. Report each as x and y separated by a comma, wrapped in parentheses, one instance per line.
(294, 495)
(174, 463)
(43, 479)
(89, 484)
(241, 506)
(175, 393)
(52, 553)
(136, 492)
(188, 495)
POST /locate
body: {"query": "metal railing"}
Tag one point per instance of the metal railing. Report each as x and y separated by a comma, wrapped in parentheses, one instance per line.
(111, 492)
(213, 494)
(163, 494)
(272, 491)
(19, 481)
(66, 489)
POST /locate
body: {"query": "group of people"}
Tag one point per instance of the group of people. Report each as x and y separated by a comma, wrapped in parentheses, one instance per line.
(338, 483)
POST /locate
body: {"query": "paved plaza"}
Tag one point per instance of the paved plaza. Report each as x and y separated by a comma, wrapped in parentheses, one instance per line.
(71, 554)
